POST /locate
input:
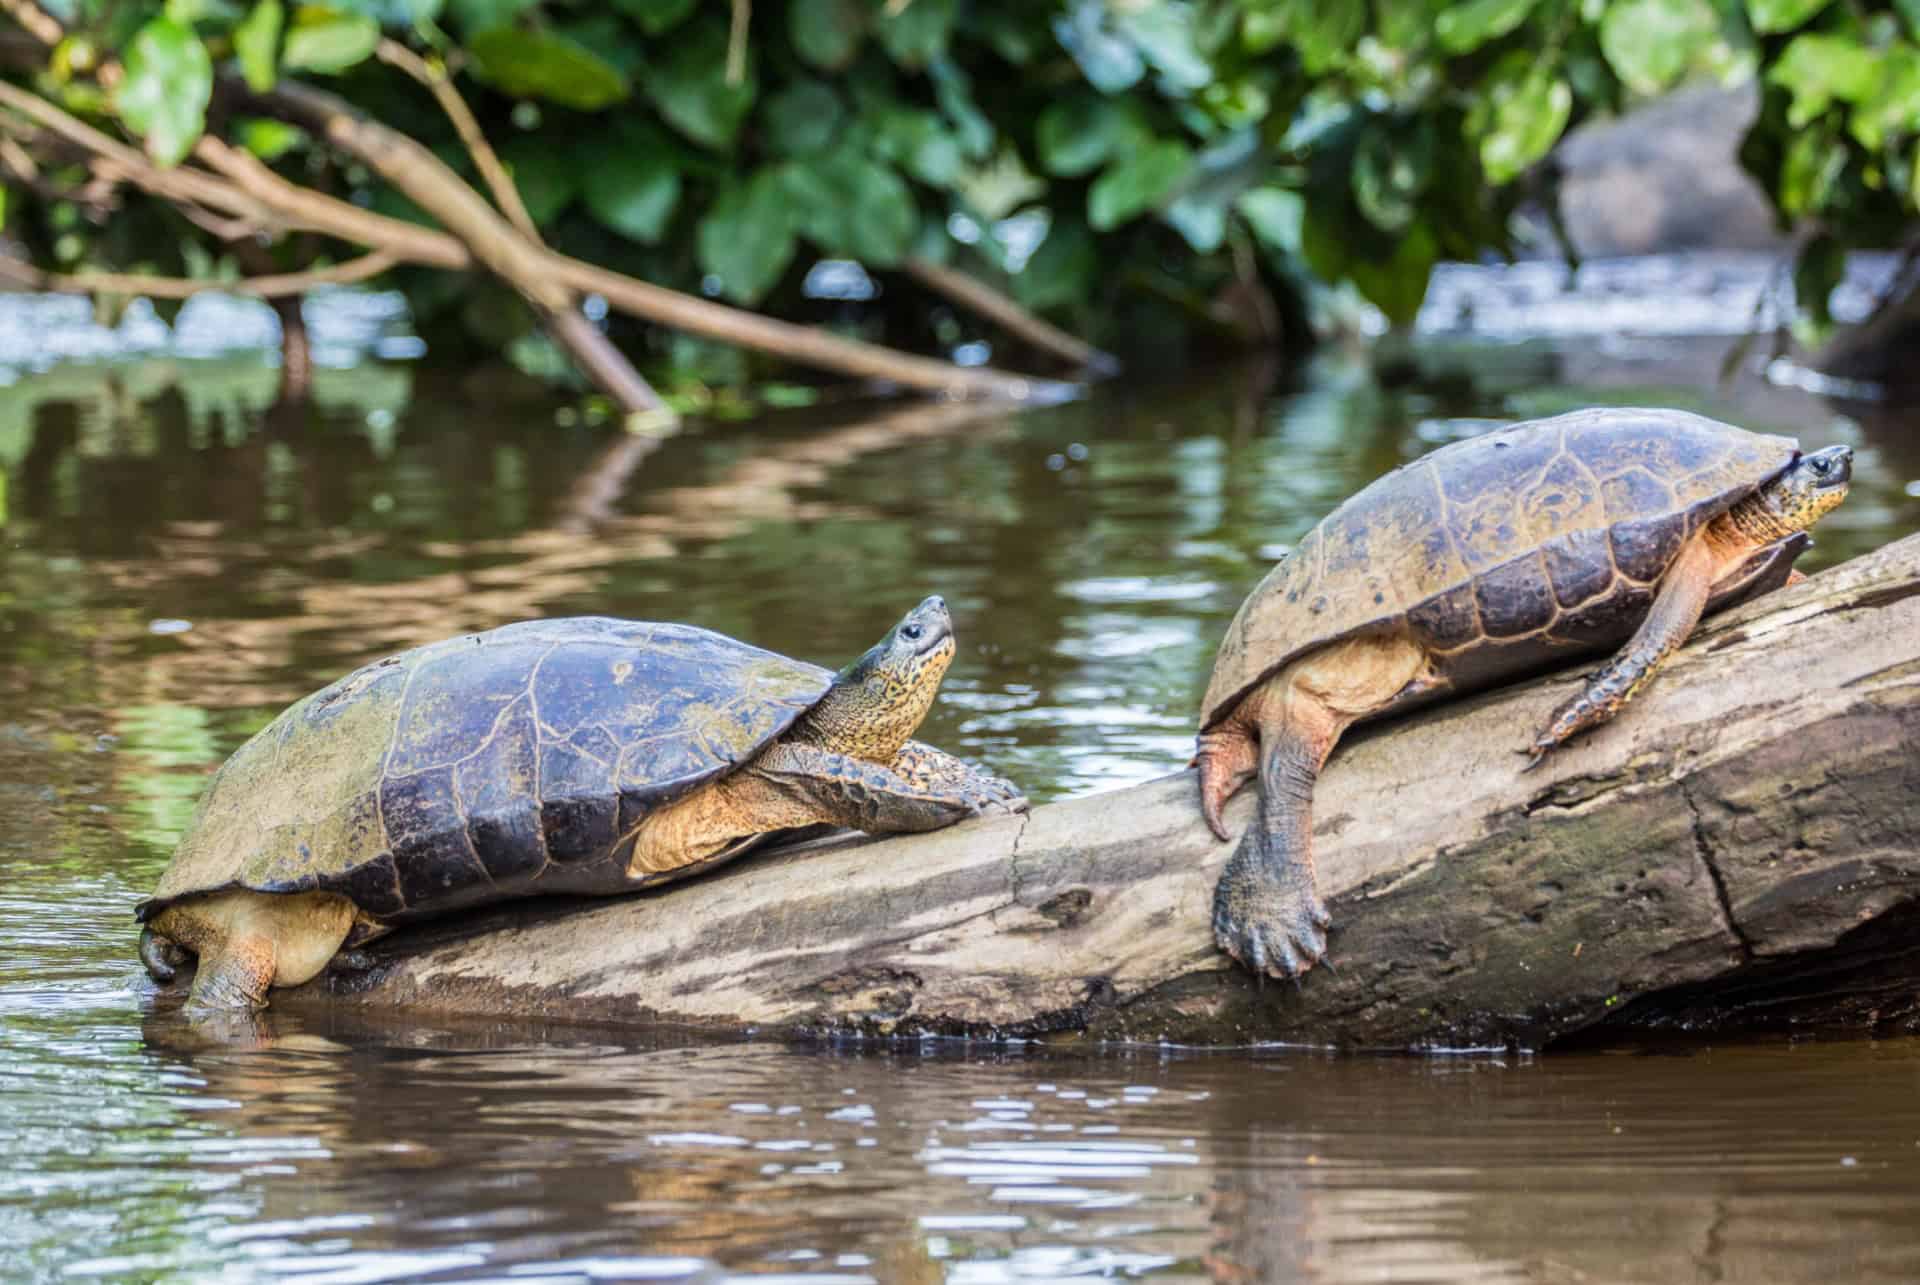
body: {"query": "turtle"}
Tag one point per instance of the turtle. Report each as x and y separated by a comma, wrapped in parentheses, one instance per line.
(584, 755)
(1487, 560)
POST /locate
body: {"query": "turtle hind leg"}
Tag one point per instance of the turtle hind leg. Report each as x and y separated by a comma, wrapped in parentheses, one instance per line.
(235, 975)
(1267, 911)
(1676, 610)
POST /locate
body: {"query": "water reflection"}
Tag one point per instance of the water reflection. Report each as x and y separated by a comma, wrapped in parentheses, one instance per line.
(177, 569)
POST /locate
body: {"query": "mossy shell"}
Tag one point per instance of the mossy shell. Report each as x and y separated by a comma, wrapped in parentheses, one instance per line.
(1504, 553)
(489, 766)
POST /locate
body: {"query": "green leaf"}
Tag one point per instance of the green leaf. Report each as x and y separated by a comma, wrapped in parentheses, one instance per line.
(1893, 106)
(1910, 14)
(917, 34)
(1821, 266)
(1219, 175)
(920, 142)
(1076, 135)
(828, 33)
(545, 176)
(1649, 43)
(632, 187)
(256, 42)
(656, 16)
(268, 139)
(692, 92)
(1391, 169)
(850, 205)
(747, 237)
(953, 90)
(480, 15)
(1398, 285)
(1275, 215)
(545, 64)
(1813, 163)
(1527, 119)
(1323, 34)
(1467, 26)
(163, 92)
(1110, 61)
(1062, 269)
(1782, 15)
(1137, 183)
(1817, 70)
(1164, 33)
(328, 40)
(803, 117)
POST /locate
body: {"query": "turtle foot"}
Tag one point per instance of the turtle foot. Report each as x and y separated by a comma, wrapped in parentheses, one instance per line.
(1274, 923)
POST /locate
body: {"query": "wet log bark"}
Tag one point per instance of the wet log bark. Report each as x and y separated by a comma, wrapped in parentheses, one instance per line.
(1742, 847)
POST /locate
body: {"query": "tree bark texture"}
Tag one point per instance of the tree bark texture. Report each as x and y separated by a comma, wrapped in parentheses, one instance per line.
(1740, 848)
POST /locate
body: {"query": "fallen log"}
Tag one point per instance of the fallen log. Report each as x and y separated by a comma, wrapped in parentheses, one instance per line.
(1742, 847)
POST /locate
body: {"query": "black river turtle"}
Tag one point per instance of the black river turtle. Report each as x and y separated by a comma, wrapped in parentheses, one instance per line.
(1485, 560)
(583, 755)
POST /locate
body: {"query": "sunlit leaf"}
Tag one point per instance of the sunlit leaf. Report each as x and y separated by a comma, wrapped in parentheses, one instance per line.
(1818, 70)
(1782, 15)
(1466, 27)
(1649, 43)
(1275, 215)
(1110, 61)
(256, 43)
(328, 40)
(1164, 33)
(548, 65)
(166, 82)
(1062, 269)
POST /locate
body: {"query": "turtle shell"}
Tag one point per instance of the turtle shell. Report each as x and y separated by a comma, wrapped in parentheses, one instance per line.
(1503, 553)
(488, 766)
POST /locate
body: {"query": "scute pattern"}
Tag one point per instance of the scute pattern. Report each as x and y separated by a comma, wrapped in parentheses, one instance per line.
(481, 767)
(1526, 533)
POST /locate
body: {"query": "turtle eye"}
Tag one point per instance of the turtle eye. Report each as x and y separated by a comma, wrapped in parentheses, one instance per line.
(912, 633)
(1820, 467)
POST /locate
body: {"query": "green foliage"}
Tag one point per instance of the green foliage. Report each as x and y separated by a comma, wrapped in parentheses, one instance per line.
(164, 92)
(1094, 157)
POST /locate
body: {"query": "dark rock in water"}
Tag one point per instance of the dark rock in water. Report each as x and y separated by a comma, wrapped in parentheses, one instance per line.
(1663, 178)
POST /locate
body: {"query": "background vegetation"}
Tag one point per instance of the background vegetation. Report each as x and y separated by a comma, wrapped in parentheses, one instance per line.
(1142, 172)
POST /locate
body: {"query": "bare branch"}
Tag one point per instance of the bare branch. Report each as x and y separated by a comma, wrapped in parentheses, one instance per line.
(505, 194)
(979, 297)
(275, 286)
(39, 24)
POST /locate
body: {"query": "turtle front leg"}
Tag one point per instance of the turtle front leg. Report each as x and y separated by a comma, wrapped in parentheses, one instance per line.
(932, 770)
(880, 799)
(235, 975)
(1676, 610)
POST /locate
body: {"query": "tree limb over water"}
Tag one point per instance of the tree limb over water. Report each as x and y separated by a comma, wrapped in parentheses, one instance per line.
(1741, 849)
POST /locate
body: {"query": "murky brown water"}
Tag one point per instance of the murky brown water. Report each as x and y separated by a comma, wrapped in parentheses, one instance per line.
(176, 570)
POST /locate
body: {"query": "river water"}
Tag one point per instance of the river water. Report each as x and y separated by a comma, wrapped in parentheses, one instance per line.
(178, 565)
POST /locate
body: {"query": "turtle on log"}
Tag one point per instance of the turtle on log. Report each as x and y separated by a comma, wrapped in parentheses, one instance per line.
(583, 755)
(1484, 561)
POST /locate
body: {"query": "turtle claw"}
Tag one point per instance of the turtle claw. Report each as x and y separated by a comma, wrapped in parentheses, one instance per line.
(1276, 926)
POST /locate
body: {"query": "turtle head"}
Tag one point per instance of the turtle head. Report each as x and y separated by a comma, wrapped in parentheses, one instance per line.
(1805, 492)
(876, 702)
